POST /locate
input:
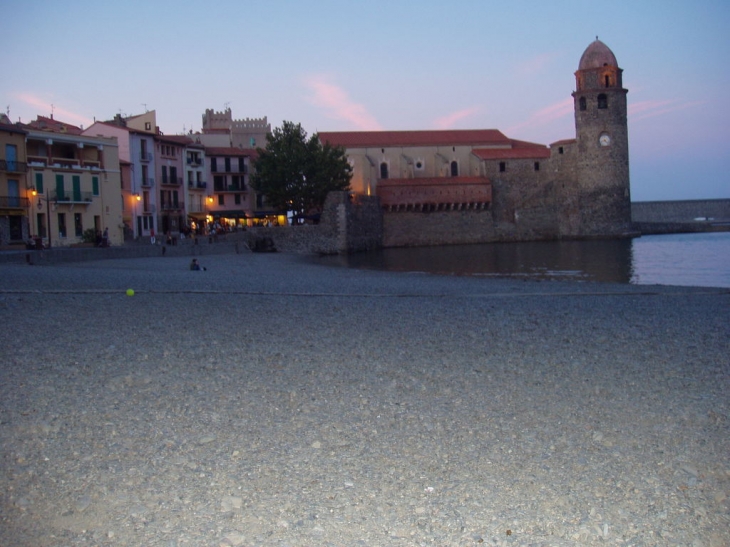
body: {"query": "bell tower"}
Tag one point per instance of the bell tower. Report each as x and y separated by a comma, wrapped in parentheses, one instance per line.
(602, 163)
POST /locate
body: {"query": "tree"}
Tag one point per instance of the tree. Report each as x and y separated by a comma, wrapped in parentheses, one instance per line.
(295, 173)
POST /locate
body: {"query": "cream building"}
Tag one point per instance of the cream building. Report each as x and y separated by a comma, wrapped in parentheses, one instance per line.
(73, 184)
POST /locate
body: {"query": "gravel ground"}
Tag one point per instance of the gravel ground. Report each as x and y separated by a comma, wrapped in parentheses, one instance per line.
(271, 401)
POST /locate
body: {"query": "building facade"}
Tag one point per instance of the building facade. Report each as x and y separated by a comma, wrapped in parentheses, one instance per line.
(74, 187)
(14, 195)
(480, 185)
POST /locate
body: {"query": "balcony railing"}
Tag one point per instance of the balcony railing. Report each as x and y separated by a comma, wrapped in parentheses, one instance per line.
(172, 181)
(145, 156)
(12, 166)
(171, 206)
(197, 185)
(148, 181)
(195, 162)
(14, 202)
(71, 197)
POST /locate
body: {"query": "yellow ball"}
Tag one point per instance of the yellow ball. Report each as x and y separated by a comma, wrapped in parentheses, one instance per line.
(130, 292)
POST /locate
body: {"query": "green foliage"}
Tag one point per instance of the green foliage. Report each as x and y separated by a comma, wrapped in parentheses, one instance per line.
(89, 236)
(295, 173)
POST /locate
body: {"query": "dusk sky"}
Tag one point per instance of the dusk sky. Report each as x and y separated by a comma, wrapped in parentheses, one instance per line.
(342, 65)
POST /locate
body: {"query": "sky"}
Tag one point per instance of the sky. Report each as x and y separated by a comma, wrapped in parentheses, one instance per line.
(346, 65)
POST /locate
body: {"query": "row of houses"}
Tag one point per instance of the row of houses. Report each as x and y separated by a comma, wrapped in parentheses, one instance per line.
(61, 184)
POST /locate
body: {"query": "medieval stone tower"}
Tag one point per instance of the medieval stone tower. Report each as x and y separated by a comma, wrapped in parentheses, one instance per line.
(599, 201)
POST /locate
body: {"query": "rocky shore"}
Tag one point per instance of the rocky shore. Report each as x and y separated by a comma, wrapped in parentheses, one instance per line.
(272, 401)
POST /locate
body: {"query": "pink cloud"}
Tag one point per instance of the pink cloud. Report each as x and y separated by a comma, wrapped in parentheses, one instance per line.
(545, 115)
(535, 64)
(338, 105)
(59, 113)
(450, 120)
(649, 109)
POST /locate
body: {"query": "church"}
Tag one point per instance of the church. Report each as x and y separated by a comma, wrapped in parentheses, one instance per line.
(476, 186)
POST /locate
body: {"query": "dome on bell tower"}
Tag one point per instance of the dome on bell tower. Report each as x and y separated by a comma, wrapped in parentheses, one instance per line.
(597, 55)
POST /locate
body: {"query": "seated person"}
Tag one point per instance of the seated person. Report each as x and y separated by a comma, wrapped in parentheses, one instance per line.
(194, 265)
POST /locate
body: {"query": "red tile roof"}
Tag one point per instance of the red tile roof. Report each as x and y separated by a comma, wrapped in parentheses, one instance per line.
(517, 153)
(432, 181)
(386, 139)
(49, 124)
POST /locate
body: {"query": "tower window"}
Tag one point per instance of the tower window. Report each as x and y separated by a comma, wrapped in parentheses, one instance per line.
(582, 103)
(502, 167)
(607, 80)
(560, 150)
(602, 101)
(383, 170)
(537, 166)
(454, 169)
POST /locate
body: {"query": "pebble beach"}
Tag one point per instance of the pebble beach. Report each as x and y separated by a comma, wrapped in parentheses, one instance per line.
(273, 401)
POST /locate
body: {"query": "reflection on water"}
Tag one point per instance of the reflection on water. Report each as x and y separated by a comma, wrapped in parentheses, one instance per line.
(679, 259)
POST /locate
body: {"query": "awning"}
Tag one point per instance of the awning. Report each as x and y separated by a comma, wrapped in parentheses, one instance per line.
(199, 216)
(231, 213)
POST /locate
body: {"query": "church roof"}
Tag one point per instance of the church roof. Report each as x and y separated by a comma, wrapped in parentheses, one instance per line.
(387, 139)
(511, 153)
(597, 55)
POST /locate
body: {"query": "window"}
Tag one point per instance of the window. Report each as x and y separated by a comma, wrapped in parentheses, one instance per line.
(173, 175)
(560, 150)
(148, 126)
(95, 186)
(237, 199)
(213, 165)
(39, 182)
(61, 224)
(607, 80)
(228, 164)
(502, 167)
(143, 155)
(582, 103)
(175, 202)
(41, 224)
(602, 101)
(60, 190)
(537, 166)
(383, 170)
(221, 199)
(454, 168)
(241, 165)
(219, 183)
(164, 174)
(78, 225)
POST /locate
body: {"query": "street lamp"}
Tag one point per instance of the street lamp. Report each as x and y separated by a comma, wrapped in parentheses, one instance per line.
(34, 193)
(135, 220)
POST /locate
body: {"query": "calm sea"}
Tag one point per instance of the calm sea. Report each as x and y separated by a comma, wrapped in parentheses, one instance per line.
(701, 260)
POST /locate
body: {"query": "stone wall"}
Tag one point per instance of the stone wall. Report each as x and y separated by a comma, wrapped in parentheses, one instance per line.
(680, 211)
(347, 224)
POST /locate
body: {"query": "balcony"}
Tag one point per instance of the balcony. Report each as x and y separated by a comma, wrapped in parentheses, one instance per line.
(172, 181)
(192, 185)
(148, 182)
(71, 197)
(13, 202)
(12, 166)
(145, 156)
(171, 206)
(195, 162)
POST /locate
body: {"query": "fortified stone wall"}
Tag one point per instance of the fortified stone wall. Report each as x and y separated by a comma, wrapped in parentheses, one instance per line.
(347, 224)
(680, 211)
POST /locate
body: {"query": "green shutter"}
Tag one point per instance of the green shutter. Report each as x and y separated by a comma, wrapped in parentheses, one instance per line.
(95, 185)
(76, 181)
(39, 182)
(60, 191)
